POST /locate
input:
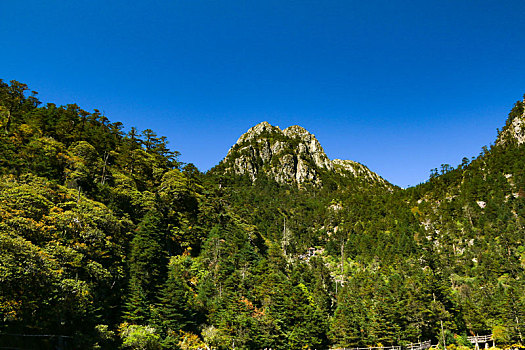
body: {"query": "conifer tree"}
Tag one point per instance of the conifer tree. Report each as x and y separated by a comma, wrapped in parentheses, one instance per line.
(175, 310)
(146, 267)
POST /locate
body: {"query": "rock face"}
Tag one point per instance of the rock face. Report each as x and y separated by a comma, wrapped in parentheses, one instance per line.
(289, 156)
(514, 131)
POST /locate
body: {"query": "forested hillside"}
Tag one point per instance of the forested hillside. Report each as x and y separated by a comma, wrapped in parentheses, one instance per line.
(107, 240)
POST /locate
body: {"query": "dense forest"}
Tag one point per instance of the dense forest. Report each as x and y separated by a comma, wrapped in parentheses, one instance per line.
(108, 241)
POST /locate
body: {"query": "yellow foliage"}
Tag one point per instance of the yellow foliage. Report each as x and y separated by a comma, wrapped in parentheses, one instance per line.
(415, 210)
(9, 308)
(191, 341)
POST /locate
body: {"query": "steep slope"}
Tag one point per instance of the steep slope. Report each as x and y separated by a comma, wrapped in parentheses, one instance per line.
(346, 167)
(289, 156)
(85, 212)
(474, 219)
(514, 130)
(457, 239)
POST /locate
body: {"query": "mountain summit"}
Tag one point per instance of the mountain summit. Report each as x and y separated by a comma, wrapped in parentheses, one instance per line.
(514, 130)
(289, 156)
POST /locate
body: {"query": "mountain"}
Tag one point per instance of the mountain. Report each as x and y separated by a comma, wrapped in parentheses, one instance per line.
(514, 129)
(107, 241)
(473, 220)
(289, 156)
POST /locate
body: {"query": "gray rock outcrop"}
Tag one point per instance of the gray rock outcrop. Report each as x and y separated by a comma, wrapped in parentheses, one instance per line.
(514, 131)
(289, 156)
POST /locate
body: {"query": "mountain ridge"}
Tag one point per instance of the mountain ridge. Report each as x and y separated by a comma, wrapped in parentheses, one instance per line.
(289, 156)
(105, 236)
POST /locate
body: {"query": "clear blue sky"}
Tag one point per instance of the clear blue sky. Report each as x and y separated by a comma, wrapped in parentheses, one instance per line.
(401, 86)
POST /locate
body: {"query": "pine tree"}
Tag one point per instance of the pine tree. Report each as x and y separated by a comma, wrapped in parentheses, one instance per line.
(146, 267)
(174, 307)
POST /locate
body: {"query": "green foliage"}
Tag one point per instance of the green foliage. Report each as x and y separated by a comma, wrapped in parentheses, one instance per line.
(98, 227)
(146, 268)
(139, 337)
(176, 308)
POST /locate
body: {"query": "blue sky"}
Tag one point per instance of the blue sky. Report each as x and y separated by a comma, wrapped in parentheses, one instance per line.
(400, 86)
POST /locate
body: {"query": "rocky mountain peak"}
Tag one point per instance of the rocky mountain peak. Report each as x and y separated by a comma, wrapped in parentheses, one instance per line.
(255, 131)
(514, 130)
(290, 156)
(297, 131)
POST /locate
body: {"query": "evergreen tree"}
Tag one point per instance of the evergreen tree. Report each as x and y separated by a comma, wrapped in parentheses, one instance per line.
(147, 263)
